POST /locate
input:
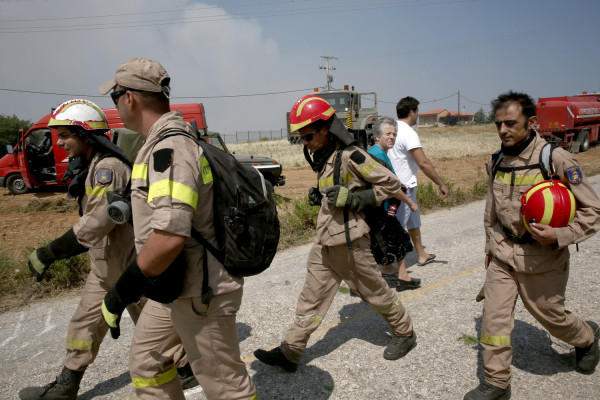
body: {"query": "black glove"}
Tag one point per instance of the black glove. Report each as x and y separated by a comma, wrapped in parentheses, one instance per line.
(340, 196)
(314, 196)
(133, 284)
(63, 247)
(128, 289)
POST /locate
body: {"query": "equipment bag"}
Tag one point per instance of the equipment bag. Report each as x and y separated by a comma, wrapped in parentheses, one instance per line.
(245, 215)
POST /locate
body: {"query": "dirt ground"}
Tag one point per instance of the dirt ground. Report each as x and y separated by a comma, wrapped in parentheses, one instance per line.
(20, 231)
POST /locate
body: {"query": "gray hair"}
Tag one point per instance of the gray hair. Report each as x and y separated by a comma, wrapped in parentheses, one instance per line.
(381, 123)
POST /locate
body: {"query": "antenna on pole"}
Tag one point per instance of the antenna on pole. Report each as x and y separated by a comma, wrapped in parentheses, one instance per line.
(329, 78)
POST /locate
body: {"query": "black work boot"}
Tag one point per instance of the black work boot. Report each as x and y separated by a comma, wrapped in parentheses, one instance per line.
(399, 346)
(275, 358)
(485, 391)
(186, 376)
(64, 387)
(587, 357)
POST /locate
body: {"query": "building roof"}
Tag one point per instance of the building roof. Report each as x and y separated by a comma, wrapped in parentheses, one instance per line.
(442, 112)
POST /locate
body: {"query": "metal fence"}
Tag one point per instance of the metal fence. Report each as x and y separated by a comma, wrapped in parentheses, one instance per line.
(253, 136)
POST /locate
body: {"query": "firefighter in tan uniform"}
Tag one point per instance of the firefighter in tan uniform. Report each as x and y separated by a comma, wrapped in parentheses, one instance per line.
(98, 167)
(169, 196)
(533, 266)
(342, 246)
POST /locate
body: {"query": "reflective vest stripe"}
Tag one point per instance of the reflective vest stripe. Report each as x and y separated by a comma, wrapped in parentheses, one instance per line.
(176, 190)
(98, 191)
(499, 340)
(77, 344)
(160, 380)
(139, 171)
(327, 182)
(205, 170)
(506, 177)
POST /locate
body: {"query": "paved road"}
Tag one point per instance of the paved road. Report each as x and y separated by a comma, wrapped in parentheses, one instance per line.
(344, 358)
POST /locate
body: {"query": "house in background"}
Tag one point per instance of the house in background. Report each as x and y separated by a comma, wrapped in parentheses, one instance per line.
(437, 117)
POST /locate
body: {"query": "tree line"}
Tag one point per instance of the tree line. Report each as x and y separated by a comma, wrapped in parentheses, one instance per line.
(9, 131)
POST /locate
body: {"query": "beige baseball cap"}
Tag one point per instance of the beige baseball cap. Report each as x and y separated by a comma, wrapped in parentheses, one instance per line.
(141, 74)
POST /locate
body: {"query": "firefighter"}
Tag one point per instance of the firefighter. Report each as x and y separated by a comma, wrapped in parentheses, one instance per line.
(533, 266)
(98, 167)
(342, 246)
(170, 194)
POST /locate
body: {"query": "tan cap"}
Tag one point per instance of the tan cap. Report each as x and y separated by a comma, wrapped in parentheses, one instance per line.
(141, 74)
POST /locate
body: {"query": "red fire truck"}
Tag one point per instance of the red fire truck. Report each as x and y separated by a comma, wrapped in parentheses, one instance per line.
(570, 121)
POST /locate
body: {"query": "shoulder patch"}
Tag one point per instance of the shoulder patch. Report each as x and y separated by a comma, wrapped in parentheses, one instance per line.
(357, 157)
(574, 175)
(163, 159)
(104, 176)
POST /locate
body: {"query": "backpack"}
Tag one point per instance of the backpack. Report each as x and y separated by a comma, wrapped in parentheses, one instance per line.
(544, 164)
(245, 215)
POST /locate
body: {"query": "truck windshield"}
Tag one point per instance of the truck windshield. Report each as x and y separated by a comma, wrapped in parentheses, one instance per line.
(339, 101)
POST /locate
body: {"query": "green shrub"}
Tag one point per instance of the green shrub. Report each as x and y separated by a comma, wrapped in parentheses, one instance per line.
(298, 221)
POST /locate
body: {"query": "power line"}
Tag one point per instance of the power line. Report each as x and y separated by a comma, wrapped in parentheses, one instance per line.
(174, 97)
(221, 17)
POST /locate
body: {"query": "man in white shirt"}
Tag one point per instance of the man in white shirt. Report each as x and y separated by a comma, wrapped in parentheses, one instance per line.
(407, 157)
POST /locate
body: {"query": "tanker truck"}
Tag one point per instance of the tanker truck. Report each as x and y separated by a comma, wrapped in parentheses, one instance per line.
(570, 121)
(349, 108)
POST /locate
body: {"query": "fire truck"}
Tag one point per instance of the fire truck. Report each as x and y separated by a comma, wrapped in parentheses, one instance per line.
(570, 121)
(37, 161)
(349, 108)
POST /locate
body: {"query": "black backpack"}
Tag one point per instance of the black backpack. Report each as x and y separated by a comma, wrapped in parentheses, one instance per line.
(245, 216)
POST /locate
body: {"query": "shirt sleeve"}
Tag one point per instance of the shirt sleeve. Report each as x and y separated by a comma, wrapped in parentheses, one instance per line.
(384, 182)
(94, 225)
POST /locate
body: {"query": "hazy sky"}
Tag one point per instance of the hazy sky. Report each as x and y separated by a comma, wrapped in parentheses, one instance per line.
(216, 51)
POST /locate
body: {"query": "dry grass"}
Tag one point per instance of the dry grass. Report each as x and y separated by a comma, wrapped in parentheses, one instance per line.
(439, 143)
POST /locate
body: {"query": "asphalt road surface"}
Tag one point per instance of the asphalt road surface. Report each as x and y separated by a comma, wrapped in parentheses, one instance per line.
(344, 356)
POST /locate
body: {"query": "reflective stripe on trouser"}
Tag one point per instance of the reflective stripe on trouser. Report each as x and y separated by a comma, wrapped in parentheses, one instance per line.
(87, 327)
(210, 337)
(542, 295)
(327, 266)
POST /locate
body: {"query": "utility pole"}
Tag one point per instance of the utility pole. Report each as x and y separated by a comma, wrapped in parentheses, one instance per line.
(329, 78)
(459, 106)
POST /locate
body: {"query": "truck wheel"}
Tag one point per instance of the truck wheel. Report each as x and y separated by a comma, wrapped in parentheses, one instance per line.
(16, 185)
(584, 140)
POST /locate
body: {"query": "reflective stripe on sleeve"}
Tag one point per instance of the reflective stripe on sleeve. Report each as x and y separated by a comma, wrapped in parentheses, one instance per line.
(176, 190)
(368, 168)
(500, 340)
(139, 171)
(77, 344)
(505, 177)
(160, 380)
(98, 191)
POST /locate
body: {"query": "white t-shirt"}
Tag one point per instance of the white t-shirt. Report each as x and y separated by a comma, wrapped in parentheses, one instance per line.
(403, 162)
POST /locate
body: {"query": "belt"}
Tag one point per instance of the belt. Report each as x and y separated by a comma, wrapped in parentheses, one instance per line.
(525, 239)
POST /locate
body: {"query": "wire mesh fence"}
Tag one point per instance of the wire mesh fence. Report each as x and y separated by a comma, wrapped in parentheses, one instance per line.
(253, 136)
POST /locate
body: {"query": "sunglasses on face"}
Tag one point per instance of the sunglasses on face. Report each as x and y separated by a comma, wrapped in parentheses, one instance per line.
(309, 136)
(118, 93)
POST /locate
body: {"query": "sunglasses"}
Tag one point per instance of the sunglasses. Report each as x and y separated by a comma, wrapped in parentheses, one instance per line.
(309, 136)
(118, 93)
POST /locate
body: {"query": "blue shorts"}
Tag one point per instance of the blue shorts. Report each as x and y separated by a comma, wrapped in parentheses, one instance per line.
(409, 219)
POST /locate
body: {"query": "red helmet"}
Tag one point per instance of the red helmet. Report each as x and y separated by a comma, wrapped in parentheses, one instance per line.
(308, 110)
(549, 203)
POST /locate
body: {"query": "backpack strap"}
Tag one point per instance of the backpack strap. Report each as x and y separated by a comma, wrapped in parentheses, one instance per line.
(207, 292)
(545, 164)
(338, 180)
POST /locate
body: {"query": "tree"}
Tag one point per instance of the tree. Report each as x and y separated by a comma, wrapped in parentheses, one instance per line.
(449, 120)
(480, 117)
(9, 131)
(491, 117)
